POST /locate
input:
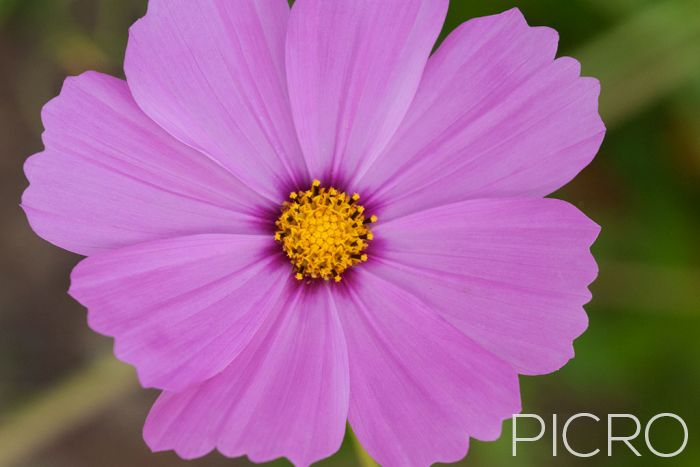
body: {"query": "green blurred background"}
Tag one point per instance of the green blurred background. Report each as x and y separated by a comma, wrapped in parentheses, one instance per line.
(65, 401)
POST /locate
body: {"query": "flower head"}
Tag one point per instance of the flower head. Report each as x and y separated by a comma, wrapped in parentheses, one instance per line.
(228, 254)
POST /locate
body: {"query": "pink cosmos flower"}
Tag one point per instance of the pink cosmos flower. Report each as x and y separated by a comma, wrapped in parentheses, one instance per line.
(269, 319)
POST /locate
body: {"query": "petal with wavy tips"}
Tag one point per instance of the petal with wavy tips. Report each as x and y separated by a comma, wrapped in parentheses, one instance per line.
(511, 274)
(495, 116)
(286, 395)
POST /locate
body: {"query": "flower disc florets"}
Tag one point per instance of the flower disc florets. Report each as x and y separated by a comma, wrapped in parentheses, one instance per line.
(323, 231)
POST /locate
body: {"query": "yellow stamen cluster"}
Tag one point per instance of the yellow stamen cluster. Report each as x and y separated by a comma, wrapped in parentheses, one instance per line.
(323, 231)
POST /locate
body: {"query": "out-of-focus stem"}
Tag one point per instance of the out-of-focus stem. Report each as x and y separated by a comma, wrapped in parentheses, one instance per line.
(644, 58)
(45, 419)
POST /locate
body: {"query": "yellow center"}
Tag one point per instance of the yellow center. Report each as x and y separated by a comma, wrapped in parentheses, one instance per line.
(323, 231)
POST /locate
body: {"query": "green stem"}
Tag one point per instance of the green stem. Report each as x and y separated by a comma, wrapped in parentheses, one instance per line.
(363, 459)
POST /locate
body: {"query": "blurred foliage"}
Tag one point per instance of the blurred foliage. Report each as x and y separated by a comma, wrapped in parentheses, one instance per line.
(639, 356)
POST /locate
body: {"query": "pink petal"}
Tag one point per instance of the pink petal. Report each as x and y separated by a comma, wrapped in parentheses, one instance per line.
(353, 69)
(285, 395)
(111, 177)
(495, 116)
(418, 387)
(181, 309)
(510, 274)
(212, 74)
